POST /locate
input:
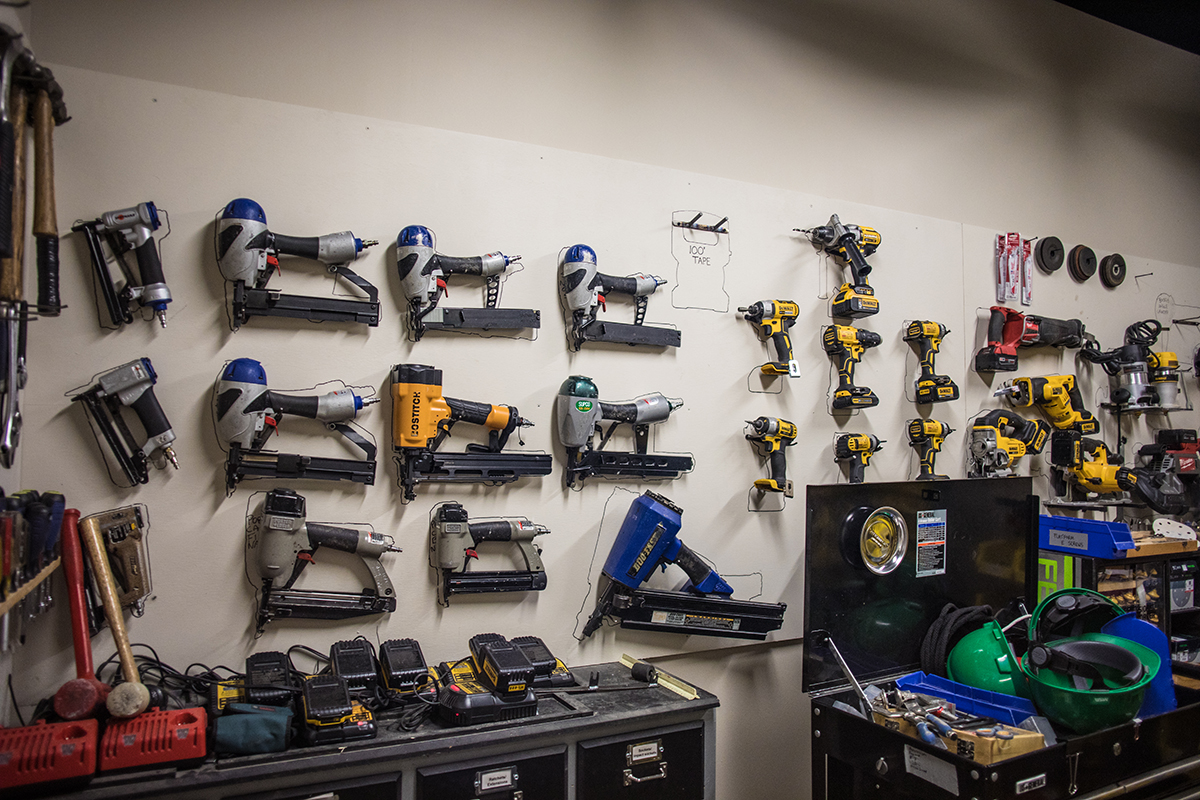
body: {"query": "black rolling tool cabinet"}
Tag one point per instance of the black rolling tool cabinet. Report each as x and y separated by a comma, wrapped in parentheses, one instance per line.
(638, 744)
(970, 542)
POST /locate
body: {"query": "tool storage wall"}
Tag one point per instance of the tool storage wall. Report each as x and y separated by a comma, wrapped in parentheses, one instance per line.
(138, 137)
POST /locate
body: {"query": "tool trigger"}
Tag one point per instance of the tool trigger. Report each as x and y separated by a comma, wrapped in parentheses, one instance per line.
(471, 553)
(306, 556)
(600, 297)
(441, 284)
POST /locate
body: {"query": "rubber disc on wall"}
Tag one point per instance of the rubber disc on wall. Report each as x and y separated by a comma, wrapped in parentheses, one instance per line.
(1049, 253)
(1082, 262)
(1112, 270)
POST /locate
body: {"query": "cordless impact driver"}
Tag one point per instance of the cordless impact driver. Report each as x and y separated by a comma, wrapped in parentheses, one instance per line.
(580, 412)
(649, 540)
(926, 437)
(421, 420)
(1009, 329)
(927, 337)
(845, 345)
(773, 435)
(453, 540)
(856, 449)
(248, 255)
(286, 542)
(585, 289)
(424, 274)
(130, 385)
(1057, 396)
(849, 244)
(774, 319)
(248, 413)
(124, 230)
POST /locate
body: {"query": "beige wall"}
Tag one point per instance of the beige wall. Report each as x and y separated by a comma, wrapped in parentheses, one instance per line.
(528, 127)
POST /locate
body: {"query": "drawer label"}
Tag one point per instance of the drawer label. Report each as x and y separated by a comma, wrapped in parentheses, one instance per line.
(644, 751)
(494, 779)
(1070, 540)
(941, 774)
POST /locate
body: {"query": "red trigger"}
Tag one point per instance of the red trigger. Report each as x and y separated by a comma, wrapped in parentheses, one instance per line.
(600, 297)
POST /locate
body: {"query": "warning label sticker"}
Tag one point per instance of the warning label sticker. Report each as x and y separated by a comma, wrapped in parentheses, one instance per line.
(931, 543)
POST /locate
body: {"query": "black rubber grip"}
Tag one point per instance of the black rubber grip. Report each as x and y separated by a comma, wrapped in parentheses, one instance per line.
(471, 265)
(303, 246)
(692, 565)
(619, 412)
(469, 410)
(299, 405)
(149, 264)
(778, 462)
(333, 537)
(996, 326)
(1058, 332)
(611, 283)
(491, 531)
(151, 414)
(7, 155)
(783, 346)
(49, 300)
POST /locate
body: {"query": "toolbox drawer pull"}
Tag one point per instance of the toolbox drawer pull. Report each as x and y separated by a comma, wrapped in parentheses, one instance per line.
(631, 778)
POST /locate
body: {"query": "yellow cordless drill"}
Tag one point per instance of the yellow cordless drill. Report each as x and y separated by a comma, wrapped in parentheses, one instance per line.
(926, 437)
(1057, 396)
(774, 318)
(845, 345)
(773, 434)
(850, 244)
(857, 449)
(931, 387)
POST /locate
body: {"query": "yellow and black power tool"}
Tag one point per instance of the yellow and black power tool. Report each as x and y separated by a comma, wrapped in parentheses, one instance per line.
(774, 318)
(1057, 396)
(421, 421)
(999, 438)
(926, 437)
(856, 449)
(927, 337)
(850, 244)
(774, 435)
(845, 345)
(1084, 462)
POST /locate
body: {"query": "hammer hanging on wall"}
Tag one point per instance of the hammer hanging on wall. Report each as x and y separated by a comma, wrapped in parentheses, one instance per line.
(45, 223)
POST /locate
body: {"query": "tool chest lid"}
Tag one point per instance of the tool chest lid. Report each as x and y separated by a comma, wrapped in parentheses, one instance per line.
(967, 542)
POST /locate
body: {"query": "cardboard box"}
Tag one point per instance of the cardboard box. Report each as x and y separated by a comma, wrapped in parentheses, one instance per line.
(969, 744)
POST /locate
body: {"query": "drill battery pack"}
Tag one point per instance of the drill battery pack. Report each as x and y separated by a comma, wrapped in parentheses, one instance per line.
(854, 302)
(44, 752)
(330, 716)
(354, 662)
(403, 665)
(548, 671)
(269, 680)
(501, 664)
(223, 694)
(466, 700)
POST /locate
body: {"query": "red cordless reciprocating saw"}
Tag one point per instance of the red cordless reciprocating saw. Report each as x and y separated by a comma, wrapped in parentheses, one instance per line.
(1009, 329)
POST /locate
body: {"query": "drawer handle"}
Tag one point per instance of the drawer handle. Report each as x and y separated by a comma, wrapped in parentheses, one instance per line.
(631, 778)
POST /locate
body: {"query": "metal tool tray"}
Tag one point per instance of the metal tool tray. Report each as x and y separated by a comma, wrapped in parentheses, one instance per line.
(878, 622)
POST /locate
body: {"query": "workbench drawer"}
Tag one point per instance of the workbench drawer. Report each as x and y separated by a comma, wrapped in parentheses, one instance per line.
(664, 764)
(531, 775)
(376, 787)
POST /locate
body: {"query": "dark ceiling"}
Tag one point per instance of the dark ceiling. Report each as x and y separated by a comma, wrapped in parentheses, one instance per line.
(1176, 22)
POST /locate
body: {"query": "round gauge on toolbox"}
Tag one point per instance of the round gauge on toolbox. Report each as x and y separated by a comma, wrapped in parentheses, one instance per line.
(875, 538)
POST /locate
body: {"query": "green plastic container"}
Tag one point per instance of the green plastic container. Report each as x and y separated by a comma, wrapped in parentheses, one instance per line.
(983, 659)
(1088, 711)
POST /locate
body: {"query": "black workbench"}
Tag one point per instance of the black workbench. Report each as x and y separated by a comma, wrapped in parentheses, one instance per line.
(570, 743)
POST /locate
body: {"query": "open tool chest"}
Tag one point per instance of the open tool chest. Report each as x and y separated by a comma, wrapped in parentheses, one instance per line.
(967, 542)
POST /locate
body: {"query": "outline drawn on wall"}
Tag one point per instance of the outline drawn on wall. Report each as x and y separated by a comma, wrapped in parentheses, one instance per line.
(700, 246)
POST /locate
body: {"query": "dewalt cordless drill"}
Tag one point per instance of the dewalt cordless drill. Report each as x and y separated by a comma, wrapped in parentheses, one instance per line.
(845, 345)
(850, 244)
(926, 437)
(856, 449)
(1057, 396)
(927, 337)
(774, 318)
(774, 435)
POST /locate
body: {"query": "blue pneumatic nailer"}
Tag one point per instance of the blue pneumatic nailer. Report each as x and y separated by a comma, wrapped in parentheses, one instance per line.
(649, 539)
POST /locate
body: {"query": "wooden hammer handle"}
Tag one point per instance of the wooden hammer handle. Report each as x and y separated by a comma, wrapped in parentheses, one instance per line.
(44, 217)
(93, 541)
(12, 276)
